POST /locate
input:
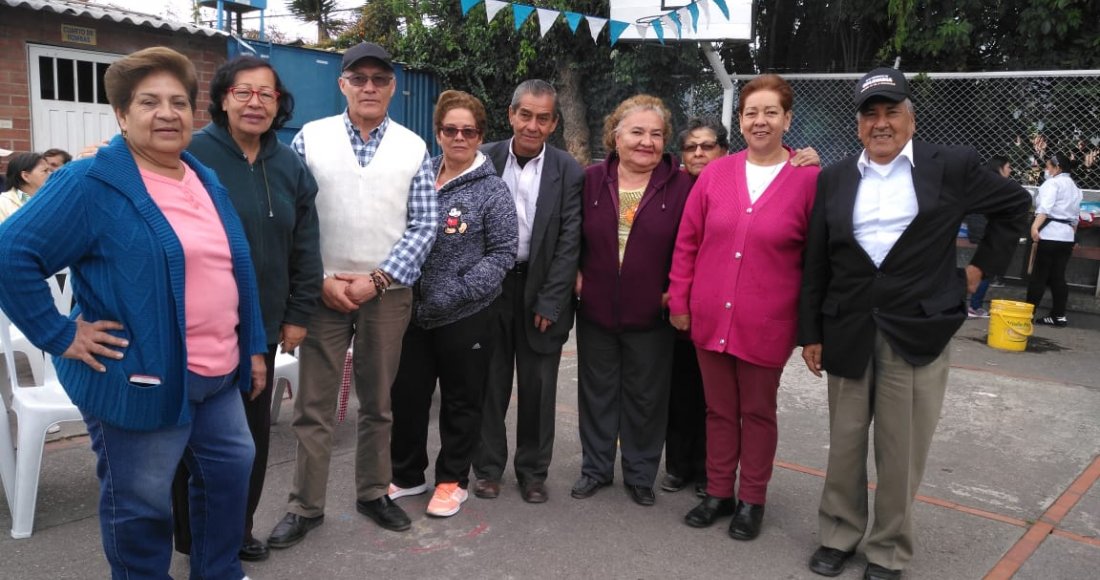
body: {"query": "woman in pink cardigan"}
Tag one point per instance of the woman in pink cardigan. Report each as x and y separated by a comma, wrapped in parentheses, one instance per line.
(734, 285)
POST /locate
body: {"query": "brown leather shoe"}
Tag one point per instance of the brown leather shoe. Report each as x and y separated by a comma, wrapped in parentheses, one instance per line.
(487, 488)
(534, 492)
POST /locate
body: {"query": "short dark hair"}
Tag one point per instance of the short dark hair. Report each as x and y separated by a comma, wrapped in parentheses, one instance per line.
(696, 123)
(65, 157)
(459, 100)
(768, 82)
(124, 75)
(1063, 161)
(997, 163)
(226, 75)
(19, 163)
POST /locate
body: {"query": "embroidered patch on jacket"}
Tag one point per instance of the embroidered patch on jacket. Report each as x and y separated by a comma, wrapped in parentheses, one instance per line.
(453, 223)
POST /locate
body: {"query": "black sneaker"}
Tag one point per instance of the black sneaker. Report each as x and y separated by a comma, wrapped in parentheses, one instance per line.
(1058, 321)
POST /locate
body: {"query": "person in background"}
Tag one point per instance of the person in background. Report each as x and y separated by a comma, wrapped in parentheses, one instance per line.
(975, 229)
(274, 194)
(703, 141)
(881, 297)
(536, 306)
(377, 209)
(450, 338)
(56, 158)
(166, 331)
(734, 285)
(4, 153)
(26, 174)
(1057, 211)
(632, 206)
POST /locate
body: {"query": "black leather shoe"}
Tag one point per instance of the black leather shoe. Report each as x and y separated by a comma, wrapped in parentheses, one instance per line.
(641, 494)
(292, 529)
(487, 488)
(253, 550)
(746, 521)
(876, 572)
(673, 483)
(534, 492)
(385, 513)
(701, 488)
(708, 511)
(587, 487)
(829, 561)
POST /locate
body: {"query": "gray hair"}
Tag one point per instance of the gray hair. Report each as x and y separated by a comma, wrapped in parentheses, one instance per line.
(535, 88)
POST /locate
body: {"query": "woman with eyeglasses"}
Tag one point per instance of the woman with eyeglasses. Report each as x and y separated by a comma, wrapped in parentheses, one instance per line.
(734, 285)
(273, 192)
(449, 337)
(1057, 212)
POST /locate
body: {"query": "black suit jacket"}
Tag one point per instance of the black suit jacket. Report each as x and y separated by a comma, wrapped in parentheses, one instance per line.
(555, 244)
(916, 297)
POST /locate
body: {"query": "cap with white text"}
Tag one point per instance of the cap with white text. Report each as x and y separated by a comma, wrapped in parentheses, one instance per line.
(883, 83)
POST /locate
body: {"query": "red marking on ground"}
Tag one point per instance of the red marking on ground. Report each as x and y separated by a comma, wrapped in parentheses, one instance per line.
(1091, 540)
(480, 529)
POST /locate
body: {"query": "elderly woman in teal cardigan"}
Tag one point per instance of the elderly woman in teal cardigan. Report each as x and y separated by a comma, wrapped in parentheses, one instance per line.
(166, 329)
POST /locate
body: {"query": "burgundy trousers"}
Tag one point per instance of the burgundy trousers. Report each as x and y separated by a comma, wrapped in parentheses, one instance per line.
(741, 424)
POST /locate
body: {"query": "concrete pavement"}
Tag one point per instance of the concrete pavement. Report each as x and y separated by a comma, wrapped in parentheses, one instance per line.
(1010, 489)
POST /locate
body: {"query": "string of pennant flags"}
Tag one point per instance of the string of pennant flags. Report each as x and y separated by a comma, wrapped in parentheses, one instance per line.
(672, 22)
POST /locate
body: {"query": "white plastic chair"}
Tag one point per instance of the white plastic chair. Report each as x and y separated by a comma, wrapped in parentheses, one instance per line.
(63, 301)
(286, 378)
(37, 408)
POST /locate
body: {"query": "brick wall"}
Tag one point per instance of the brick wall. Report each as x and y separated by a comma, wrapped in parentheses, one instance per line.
(21, 26)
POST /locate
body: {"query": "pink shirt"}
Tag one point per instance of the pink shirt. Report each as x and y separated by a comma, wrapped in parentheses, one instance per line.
(737, 267)
(210, 290)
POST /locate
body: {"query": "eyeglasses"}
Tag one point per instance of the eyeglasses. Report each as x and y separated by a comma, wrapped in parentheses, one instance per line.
(379, 81)
(244, 94)
(449, 131)
(707, 147)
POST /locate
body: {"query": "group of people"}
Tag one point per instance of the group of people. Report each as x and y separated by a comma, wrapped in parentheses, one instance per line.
(194, 258)
(26, 173)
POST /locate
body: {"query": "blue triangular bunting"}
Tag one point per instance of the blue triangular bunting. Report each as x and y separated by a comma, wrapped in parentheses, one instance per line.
(521, 12)
(468, 5)
(617, 27)
(722, 6)
(694, 9)
(574, 20)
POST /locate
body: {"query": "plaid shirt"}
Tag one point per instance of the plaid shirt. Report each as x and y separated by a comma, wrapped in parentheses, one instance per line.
(408, 254)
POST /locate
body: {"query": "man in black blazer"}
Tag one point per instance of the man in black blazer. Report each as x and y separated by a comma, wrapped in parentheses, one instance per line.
(881, 298)
(536, 307)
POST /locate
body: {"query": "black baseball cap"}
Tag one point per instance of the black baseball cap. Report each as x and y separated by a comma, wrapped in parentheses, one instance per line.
(366, 50)
(885, 83)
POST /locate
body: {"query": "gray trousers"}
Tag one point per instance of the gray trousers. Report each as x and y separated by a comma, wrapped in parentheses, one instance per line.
(377, 327)
(623, 395)
(904, 401)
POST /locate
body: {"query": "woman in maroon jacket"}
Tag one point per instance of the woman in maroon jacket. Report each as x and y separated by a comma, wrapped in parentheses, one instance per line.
(632, 206)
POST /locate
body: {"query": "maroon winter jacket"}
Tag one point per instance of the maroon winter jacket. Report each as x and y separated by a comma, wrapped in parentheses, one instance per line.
(629, 298)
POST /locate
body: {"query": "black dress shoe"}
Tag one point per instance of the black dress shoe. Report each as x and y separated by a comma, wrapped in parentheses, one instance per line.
(292, 529)
(534, 492)
(876, 572)
(587, 487)
(487, 488)
(641, 494)
(385, 513)
(746, 521)
(708, 511)
(253, 550)
(829, 561)
(701, 488)
(673, 483)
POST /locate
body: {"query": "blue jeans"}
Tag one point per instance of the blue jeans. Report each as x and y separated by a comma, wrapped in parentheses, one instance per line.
(135, 470)
(978, 297)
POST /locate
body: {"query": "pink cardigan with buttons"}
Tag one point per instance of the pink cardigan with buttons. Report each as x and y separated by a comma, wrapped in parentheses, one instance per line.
(737, 266)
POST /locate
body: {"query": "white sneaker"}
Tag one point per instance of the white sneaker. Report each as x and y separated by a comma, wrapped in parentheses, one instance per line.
(447, 500)
(396, 492)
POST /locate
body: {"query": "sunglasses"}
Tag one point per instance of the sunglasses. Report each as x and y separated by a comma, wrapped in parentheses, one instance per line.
(707, 147)
(449, 131)
(243, 94)
(379, 81)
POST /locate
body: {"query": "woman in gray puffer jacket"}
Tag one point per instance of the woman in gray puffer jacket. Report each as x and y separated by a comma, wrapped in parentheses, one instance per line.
(449, 337)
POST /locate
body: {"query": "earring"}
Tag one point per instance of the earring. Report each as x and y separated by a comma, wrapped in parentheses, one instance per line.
(124, 133)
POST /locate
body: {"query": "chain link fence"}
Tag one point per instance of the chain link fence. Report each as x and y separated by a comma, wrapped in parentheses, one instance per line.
(1024, 116)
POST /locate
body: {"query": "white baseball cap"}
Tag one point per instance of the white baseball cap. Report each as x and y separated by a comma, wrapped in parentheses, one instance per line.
(5, 152)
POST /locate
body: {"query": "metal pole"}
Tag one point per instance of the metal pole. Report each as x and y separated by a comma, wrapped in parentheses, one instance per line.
(221, 10)
(727, 84)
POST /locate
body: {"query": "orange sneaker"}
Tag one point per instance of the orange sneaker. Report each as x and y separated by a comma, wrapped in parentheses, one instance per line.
(447, 500)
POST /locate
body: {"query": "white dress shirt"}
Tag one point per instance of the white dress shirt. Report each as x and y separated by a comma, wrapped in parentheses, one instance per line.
(524, 184)
(1058, 197)
(886, 203)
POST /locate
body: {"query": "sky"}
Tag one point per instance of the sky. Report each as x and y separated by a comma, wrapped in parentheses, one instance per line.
(276, 15)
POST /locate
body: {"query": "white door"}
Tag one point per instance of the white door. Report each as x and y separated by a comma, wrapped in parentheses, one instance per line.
(69, 108)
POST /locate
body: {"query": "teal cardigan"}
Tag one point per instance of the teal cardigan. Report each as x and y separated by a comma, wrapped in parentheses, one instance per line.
(95, 217)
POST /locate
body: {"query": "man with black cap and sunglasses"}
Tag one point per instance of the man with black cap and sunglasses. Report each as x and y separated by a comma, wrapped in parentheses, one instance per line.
(376, 205)
(881, 297)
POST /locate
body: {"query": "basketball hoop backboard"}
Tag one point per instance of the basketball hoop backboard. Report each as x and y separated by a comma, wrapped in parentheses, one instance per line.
(712, 24)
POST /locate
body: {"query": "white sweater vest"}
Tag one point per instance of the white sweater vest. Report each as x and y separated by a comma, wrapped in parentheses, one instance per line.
(362, 211)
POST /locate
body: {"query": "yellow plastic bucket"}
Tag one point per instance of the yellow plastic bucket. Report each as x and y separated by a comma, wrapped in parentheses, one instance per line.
(1010, 324)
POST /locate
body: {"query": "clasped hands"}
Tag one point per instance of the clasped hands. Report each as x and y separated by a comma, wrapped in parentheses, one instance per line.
(344, 293)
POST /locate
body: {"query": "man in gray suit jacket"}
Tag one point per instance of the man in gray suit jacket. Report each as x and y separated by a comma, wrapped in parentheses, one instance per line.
(536, 307)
